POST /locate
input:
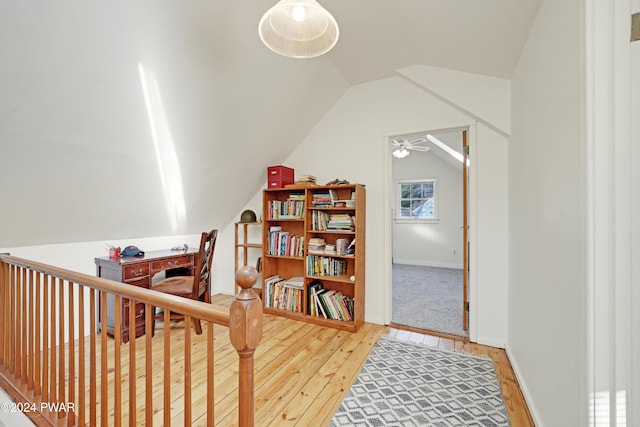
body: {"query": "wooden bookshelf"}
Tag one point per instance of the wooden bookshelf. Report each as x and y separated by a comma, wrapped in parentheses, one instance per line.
(247, 251)
(295, 223)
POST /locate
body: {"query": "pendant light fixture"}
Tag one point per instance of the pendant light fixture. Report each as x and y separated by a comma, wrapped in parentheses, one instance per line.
(298, 29)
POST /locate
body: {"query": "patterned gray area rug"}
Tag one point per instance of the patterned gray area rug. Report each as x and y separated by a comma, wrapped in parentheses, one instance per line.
(405, 384)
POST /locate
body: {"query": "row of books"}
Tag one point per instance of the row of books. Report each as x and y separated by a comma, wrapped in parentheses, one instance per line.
(298, 195)
(330, 199)
(329, 303)
(340, 222)
(318, 265)
(319, 220)
(322, 221)
(345, 247)
(342, 247)
(284, 294)
(321, 200)
(283, 243)
(289, 209)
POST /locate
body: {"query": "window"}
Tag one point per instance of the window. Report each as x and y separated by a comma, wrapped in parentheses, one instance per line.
(417, 200)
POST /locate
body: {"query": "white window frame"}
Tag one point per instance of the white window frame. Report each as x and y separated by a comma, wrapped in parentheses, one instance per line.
(399, 218)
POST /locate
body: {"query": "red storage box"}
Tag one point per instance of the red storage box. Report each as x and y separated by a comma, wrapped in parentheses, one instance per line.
(279, 176)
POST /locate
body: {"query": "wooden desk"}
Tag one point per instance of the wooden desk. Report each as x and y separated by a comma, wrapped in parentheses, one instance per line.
(138, 271)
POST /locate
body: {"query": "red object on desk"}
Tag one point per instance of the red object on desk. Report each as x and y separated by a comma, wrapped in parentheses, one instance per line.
(114, 253)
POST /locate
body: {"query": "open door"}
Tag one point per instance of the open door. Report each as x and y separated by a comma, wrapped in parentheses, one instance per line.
(465, 232)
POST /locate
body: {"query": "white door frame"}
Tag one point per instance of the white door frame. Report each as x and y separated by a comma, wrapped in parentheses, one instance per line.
(472, 213)
(612, 338)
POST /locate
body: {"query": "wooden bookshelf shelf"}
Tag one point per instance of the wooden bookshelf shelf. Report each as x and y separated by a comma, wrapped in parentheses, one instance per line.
(337, 256)
(247, 252)
(341, 278)
(299, 258)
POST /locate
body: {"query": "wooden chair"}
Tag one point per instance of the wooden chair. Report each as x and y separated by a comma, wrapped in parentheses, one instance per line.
(196, 287)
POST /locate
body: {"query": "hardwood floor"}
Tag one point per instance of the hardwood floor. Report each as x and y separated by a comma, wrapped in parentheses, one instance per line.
(303, 371)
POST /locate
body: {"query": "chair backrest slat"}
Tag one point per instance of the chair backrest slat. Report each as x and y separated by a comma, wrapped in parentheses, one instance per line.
(202, 282)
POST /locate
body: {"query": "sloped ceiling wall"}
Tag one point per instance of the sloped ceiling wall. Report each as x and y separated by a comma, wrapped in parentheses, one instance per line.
(156, 118)
(139, 119)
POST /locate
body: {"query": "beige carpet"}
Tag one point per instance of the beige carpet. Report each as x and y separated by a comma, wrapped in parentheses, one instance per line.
(428, 298)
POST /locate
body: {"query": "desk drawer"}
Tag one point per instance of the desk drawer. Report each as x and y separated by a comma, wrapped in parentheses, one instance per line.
(143, 282)
(139, 314)
(136, 271)
(168, 264)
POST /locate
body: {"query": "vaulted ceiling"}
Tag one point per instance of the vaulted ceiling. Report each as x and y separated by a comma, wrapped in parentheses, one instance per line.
(92, 92)
(380, 36)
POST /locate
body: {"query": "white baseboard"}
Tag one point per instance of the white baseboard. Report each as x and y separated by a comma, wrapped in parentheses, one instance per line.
(427, 263)
(490, 342)
(525, 391)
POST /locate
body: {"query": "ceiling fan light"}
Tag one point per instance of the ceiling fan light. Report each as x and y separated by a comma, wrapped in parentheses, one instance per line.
(298, 29)
(400, 153)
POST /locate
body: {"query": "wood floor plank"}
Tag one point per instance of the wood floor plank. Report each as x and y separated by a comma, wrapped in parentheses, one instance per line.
(291, 379)
(445, 344)
(339, 374)
(431, 341)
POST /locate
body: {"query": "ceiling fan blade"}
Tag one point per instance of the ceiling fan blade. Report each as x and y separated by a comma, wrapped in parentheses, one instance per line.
(417, 148)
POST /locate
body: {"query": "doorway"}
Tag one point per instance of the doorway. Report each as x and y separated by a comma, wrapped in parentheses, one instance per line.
(429, 253)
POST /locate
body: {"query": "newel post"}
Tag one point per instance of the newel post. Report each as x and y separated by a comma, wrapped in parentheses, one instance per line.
(245, 330)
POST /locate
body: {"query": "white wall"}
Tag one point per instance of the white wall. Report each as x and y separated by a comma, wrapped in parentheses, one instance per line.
(635, 230)
(435, 244)
(612, 201)
(76, 139)
(488, 258)
(546, 299)
(80, 257)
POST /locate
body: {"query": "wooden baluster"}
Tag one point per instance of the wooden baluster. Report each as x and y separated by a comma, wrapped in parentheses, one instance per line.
(245, 330)
(3, 311)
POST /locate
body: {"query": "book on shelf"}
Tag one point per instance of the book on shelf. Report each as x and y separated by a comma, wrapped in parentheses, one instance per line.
(334, 305)
(341, 302)
(325, 300)
(340, 222)
(319, 220)
(294, 282)
(316, 245)
(306, 178)
(288, 209)
(284, 294)
(345, 247)
(312, 289)
(283, 243)
(318, 265)
(321, 200)
(342, 203)
(330, 249)
(268, 290)
(296, 195)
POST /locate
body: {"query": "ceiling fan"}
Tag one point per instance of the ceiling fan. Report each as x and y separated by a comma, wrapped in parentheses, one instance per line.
(401, 146)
